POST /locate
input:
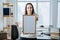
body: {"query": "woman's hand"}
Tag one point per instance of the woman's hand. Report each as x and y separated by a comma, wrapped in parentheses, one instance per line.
(36, 17)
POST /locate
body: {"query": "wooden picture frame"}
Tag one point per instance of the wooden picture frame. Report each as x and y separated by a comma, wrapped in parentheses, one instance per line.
(29, 20)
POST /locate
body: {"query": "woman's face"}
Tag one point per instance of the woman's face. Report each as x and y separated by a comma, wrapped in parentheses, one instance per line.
(29, 9)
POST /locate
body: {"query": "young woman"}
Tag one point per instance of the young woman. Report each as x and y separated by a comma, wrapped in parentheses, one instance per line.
(29, 10)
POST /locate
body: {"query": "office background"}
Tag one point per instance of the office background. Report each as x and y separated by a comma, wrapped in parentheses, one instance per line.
(48, 11)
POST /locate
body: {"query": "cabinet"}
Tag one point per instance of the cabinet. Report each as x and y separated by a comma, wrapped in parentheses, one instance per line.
(3, 36)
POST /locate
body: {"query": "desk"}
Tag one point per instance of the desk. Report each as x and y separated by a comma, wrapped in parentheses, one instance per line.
(3, 35)
(55, 35)
(42, 36)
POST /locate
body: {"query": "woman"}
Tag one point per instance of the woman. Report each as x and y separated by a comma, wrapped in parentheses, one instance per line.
(29, 10)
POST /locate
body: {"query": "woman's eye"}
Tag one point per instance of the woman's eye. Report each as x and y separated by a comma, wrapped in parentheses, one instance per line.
(28, 7)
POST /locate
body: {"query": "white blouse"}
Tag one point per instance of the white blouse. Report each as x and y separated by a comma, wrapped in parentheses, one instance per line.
(28, 35)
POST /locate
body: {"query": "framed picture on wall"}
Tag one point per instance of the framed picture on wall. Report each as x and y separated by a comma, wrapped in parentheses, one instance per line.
(6, 11)
(29, 24)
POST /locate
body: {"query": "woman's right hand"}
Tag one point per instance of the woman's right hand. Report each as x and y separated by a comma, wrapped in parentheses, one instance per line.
(22, 30)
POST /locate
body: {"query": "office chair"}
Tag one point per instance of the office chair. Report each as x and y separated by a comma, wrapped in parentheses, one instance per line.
(14, 32)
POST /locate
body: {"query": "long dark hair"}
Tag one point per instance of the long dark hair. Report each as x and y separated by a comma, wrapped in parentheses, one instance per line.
(26, 8)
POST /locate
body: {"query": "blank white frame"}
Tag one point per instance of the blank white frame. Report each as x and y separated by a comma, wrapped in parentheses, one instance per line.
(29, 24)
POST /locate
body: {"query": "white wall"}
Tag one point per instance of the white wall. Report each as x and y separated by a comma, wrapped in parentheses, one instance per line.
(14, 9)
(1, 19)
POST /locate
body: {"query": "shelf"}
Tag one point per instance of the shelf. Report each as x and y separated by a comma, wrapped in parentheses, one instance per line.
(7, 4)
(6, 16)
(11, 5)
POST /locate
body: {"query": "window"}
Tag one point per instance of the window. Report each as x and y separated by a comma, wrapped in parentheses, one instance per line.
(44, 11)
(58, 23)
